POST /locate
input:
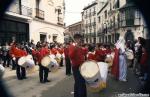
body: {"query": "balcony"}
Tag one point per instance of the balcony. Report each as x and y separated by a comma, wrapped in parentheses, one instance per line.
(94, 13)
(23, 10)
(39, 14)
(60, 21)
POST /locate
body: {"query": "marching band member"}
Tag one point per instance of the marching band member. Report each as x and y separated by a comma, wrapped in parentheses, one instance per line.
(43, 71)
(17, 53)
(77, 57)
(91, 54)
(67, 59)
(100, 55)
(61, 51)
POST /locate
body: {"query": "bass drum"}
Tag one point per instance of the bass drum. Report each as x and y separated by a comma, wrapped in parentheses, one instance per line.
(91, 73)
(46, 61)
(22, 61)
(50, 63)
(95, 74)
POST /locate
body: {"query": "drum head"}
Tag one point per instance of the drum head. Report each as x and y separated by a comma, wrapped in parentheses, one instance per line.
(21, 61)
(30, 63)
(29, 57)
(45, 61)
(89, 69)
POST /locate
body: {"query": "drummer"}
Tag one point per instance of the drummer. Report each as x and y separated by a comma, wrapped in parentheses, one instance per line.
(43, 71)
(77, 57)
(18, 52)
(91, 54)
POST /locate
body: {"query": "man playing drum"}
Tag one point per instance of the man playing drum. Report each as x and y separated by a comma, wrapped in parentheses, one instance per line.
(19, 52)
(43, 71)
(77, 57)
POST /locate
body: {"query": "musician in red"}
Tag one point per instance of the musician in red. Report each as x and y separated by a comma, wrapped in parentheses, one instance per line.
(91, 54)
(18, 51)
(60, 51)
(43, 71)
(100, 54)
(67, 59)
(77, 57)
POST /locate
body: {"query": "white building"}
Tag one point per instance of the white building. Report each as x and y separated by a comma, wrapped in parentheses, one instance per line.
(40, 20)
(120, 18)
(89, 17)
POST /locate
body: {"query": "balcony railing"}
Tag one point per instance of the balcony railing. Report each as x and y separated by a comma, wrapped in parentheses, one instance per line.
(93, 13)
(23, 10)
(39, 13)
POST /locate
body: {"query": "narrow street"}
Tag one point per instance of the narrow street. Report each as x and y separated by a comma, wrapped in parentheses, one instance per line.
(62, 85)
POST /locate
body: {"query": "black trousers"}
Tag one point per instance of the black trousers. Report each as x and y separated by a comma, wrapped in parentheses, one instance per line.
(43, 73)
(14, 64)
(61, 62)
(20, 71)
(6, 60)
(68, 65)
(79, 86)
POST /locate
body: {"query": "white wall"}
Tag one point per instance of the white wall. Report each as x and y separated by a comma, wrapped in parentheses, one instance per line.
(38, 27)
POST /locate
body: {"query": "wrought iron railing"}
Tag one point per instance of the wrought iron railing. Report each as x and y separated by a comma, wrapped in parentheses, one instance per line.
(39, 13)
(21, 10)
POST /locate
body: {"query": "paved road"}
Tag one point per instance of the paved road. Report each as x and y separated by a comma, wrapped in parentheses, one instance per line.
(62, 86)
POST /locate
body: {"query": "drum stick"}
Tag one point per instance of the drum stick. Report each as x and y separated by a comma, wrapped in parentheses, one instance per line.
(72, 37)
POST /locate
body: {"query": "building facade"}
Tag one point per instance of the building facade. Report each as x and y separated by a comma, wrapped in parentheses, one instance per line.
(40, 20)
(76, 28)
(120, 18)
(89, 17)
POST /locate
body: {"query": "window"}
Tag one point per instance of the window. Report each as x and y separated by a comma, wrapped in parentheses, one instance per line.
(99, 19)
(105, 14)
(129, 16)
(137, 14)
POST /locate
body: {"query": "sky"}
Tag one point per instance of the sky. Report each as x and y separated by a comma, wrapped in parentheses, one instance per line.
(74, 9)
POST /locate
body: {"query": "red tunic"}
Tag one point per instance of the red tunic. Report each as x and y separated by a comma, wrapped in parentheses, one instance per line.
(76, 55)
(100, 55)
(91, 56)
(108, 51)
(42, 53)
(23, 53)
(54, 51)
(115, 65)
(66, 52)
(60, 50)
(144, 58)
(15, 52)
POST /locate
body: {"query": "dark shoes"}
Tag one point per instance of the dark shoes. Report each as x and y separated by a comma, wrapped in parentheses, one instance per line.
(41, 81)
(47, 80)
(21, 78)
